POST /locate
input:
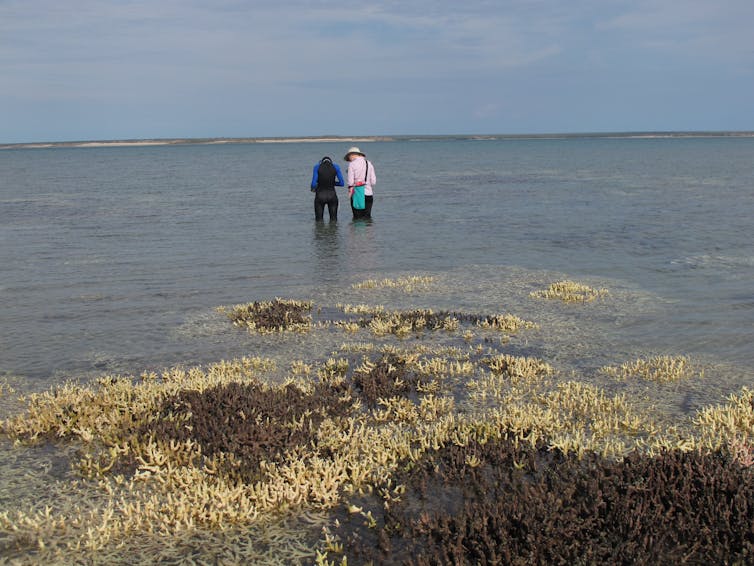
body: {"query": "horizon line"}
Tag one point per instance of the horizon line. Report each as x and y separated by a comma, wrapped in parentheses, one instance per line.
(143, 142)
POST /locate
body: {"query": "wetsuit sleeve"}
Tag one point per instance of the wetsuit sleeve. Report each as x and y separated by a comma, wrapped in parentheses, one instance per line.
(339, 181)
(315, 176)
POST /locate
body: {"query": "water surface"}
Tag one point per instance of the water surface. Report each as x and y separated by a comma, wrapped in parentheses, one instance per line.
(114, 259)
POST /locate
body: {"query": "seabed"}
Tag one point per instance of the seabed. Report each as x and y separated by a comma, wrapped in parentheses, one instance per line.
(426, 437)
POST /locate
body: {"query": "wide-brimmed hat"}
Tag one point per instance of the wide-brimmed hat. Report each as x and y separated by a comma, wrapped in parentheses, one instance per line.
(355, 150)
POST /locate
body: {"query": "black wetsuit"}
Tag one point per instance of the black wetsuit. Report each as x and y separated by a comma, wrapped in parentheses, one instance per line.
(326, 177)
(322, 198)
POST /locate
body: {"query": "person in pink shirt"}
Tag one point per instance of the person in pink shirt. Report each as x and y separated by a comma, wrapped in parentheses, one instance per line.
(360, 176)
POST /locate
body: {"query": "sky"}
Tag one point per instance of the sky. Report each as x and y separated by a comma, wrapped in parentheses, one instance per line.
(142, 69)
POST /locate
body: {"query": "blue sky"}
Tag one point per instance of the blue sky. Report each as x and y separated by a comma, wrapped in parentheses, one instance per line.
(106, 69)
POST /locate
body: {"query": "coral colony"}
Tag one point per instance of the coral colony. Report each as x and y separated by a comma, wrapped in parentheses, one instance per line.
(407, 453)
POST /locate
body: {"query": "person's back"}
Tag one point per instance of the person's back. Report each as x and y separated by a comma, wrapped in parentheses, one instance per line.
(325, 177)
(362, 178)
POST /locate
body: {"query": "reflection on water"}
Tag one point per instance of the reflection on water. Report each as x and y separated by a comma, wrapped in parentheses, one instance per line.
(345, 250)
(326, 251)
(362, 245)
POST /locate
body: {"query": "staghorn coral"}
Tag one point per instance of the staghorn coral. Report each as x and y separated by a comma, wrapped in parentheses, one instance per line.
(286, 314)
(271, 316)
(657, 368)
(250, 421)
(504, 322)
(502, 503)
(385, 378)
(402, 323)
(360, 309)
(114, 404)
(729, 424)
(570, 292)
(6, 387)
(217, 464)
(407, 284)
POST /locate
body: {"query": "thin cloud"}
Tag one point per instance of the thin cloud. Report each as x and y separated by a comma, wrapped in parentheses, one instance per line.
(414, 65)
(718, 31)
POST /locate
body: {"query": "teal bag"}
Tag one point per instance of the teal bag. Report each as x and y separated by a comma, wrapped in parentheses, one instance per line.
(358, 201)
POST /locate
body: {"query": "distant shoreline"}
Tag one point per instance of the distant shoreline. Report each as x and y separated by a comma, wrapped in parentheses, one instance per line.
(187, 141)
(368, 139)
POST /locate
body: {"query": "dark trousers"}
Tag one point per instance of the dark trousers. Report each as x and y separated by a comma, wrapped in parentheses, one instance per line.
(326, 197)
(366, 212)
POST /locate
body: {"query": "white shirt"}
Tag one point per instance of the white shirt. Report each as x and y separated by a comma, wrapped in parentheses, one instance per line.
(357, 173)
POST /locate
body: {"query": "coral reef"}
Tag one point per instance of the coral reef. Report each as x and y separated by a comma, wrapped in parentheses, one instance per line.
(519, 504)
(416, 453)
(407, 284)
(401, 323)
(657, 368)
(271, 316)
(570, 292)
(257, 423)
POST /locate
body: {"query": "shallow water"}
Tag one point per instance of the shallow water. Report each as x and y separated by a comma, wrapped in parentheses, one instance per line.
(114, 260)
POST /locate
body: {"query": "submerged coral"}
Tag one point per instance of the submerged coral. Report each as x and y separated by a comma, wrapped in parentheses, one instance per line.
(271, 316)
(247, 423)
(519, 504)
(570, 292)
(657, 368)
(407, 284)
(419, 453)
(401, 323)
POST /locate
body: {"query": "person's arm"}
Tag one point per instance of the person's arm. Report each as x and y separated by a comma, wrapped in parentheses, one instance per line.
(315, 176)
(350, 176)
(339, 181)
(372, 175)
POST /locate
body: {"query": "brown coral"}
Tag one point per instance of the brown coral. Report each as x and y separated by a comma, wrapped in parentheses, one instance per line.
(388, 377)
(250, 421)
(272, 316)
(519, 505)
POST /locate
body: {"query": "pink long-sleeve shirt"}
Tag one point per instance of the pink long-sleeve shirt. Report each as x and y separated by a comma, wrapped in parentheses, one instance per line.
(357, 172)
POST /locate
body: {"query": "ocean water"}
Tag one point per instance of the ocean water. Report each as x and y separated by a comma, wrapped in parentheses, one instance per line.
(114, 259)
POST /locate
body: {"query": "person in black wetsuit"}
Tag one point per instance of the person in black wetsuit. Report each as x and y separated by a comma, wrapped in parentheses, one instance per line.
(325, 177)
